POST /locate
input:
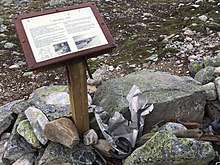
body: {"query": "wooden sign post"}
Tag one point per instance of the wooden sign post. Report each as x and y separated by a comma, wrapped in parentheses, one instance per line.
(66, 37)
(78, 94)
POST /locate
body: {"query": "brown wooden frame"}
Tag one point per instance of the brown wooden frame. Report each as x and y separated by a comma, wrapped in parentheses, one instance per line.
(88, 53)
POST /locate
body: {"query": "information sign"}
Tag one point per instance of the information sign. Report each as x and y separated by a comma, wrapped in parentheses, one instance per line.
(60, 35)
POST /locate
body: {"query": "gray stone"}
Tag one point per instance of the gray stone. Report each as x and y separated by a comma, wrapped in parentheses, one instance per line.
(53, 3)
(203, 18)
(25, 130)
(212, 61)
(195, 66)
(7, 117)
(173, 127)
(3, 144)
(80, 155)
(53, 109)
(53, 101)
(210, 91)
(27, 159)
(173, 97)
(58, 98)
(9, 45)
(217, 85)
(166, 148)
(90, 137)
(62, 131)
(189, 32)
(206, 75)
(213, 109)
(38, 121)
(3, 28)
(16, 146)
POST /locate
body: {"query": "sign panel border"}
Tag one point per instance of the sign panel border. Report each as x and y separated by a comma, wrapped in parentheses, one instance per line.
(88, 53)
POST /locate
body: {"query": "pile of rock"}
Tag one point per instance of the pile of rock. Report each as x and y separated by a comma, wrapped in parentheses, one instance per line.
(40, 131)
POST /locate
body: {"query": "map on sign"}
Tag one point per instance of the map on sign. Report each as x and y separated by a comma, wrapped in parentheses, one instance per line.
(62, 33)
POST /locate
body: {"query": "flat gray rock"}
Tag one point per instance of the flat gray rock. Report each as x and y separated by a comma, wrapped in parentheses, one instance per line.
(173, 97)
(38, 120)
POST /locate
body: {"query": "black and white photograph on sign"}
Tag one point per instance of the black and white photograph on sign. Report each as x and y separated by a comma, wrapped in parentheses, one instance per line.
(62, 48)
(86, 41)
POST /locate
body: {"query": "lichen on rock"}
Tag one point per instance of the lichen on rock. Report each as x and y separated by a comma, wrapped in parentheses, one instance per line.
(165, 148)
(25, 130)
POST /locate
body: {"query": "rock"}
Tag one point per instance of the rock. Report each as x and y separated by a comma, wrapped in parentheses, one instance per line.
(58, 154)
(54, 3)
(7, 118)
(210, 91)
(102, 73)
(91, 89)
(194, 67)
(213, 109)
(51, 111)
(38, 121)
(166, 148)
(15, 66)
(203, 18)
(90, 137)
(173, 97)
(58, 98)
(217, 85)
(93, 82)
(16, 146)
(173, 127)
(9, 45)
(25, 130)
(104, 147)
(205, 75)
(217, 71)
(62, 131)
(3, 144)
(189, 32)
(152, 58)
(212, 61)
(3, 28)
(27, 159)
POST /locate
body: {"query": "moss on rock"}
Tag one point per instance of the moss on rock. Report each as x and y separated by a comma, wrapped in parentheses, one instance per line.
(166, 148)
(25, 130)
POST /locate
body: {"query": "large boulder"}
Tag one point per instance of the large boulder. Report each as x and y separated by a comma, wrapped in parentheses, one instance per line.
(173, 97)
(166, 148)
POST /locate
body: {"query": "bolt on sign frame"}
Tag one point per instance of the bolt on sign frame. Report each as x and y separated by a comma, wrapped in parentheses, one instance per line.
(66, 36)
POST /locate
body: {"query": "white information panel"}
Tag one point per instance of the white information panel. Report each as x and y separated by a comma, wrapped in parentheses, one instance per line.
(62, 33)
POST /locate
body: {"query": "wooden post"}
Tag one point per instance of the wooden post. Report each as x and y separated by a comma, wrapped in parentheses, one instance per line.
(78, 94)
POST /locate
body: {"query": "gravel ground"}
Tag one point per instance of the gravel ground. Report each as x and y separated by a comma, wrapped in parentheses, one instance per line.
(164, 35)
